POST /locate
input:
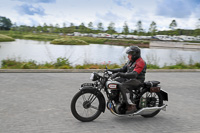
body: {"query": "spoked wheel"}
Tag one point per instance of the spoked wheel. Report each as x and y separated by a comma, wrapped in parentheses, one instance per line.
(151, 99)
(85, 106)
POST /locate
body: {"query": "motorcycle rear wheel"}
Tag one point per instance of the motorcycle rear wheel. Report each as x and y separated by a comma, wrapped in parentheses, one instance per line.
(152, 103)
(85, 106)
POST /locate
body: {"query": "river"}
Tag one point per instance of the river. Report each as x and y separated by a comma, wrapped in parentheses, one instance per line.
(41, 52)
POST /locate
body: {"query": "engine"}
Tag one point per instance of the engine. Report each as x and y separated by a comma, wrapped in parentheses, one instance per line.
(116, 97)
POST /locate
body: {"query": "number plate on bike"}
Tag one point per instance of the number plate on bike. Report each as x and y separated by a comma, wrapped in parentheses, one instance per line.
(155, 89)
(87, 84)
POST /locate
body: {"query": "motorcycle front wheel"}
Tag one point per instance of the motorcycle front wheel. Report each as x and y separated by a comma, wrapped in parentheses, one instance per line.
(85, 106)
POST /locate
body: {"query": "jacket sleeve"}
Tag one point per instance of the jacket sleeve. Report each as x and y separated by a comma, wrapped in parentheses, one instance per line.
(131, 75)
(123, 69)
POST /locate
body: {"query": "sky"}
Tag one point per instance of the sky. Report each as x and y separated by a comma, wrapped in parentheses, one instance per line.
(37, 12)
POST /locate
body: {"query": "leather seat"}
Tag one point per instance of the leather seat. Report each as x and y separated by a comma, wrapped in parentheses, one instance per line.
(151, 83)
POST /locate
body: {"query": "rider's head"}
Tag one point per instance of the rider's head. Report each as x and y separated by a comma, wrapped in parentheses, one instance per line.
(133, 53)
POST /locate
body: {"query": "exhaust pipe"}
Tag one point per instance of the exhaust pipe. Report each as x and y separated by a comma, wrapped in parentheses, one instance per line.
(149, 110)
(143, 111)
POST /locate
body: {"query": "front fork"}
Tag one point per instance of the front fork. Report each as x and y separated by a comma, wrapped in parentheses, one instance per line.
(100, 96)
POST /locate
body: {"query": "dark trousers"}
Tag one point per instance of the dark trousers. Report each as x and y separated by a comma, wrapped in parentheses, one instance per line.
(127, 86)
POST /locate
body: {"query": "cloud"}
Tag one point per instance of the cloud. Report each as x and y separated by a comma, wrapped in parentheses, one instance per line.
(176, 8)
(38, 1)
(109, 16)
(26, 9)
(123, 3)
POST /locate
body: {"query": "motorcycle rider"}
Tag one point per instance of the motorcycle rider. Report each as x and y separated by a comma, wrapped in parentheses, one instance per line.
(131, 75)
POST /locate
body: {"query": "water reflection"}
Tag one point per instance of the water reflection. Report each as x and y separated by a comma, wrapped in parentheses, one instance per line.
(42, 52)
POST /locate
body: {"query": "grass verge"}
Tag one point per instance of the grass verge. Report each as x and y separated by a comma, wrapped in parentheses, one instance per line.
(5, 38)
(69, 41)
(63, 63)
(89, 40)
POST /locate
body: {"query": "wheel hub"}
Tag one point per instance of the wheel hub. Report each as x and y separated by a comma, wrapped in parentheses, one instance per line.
(152, 102)
(86, 104)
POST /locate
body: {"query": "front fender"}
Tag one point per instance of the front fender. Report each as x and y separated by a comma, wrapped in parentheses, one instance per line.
(98, 94)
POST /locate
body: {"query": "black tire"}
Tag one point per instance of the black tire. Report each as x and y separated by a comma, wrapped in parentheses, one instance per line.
(159, 103)
(86, 106)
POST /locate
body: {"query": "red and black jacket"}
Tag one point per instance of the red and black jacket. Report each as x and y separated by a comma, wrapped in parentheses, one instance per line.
(133, 70)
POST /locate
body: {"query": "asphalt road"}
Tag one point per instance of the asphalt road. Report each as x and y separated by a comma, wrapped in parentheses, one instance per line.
(40, 103)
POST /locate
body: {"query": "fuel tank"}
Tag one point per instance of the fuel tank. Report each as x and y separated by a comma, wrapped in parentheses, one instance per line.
(112, 85)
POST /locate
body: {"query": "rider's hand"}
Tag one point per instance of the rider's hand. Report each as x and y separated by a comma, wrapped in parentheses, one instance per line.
(109, 72)
(114, 75)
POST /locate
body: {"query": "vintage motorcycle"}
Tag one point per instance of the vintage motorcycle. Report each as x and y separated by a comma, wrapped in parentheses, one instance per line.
(89, 102)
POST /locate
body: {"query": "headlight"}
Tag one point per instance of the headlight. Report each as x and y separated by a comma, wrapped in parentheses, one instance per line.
(94, 76)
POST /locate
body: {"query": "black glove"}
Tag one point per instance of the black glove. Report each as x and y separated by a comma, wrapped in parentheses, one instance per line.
(114, 75)
(113, 70)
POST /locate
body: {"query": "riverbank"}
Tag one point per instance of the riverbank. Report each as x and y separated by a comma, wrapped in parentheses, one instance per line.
(58, 39)
(140, 43)
(4, 38)
(69, 41)
(168, 44)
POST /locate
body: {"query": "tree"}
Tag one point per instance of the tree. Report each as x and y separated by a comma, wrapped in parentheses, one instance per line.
(5, 23)
(134, 32)
(71, 24)
(197, 30)
(90, 25)
(57, 28)
(51, 28)
(39, 28)
(111, 28)
(100, 26)
(82, 28)
(139, 28)
(45, 27)
(152, 28)
(173, 25)
(14, 27)
(198, 24)
(64, 29)
(125, 29)
(71, 28)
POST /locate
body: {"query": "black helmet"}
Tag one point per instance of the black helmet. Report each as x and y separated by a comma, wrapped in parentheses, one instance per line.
(134, 51)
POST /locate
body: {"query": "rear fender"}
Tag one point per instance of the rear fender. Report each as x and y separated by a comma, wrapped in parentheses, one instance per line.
(164, 95)
(98, 94)
(162, 92)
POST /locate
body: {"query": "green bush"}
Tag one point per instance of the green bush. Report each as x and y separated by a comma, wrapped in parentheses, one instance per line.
(79, 67)
(13, 64)
(151, 66)
(197, 65)
(63, 63)
(92, 40)
(97, 66)
(183, 66)
(29, 65)
(69, 41)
